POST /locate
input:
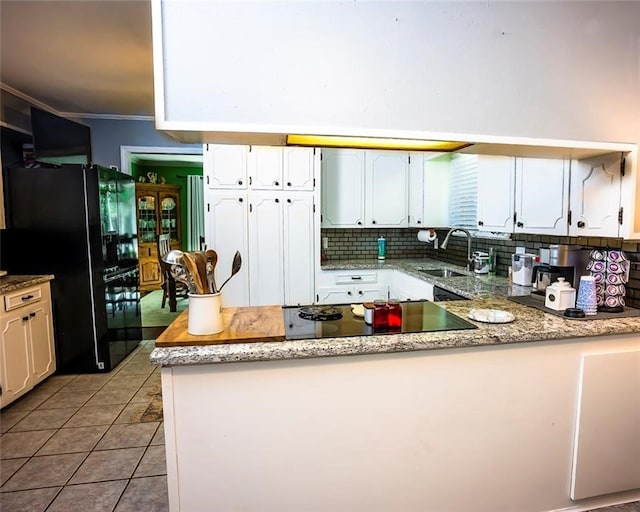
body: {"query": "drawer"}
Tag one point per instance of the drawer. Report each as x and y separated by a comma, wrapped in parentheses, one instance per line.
(22, 297)
(358, 278)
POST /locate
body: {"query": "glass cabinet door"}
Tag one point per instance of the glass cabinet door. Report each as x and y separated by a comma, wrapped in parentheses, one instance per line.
(147, 221)
(169, 216)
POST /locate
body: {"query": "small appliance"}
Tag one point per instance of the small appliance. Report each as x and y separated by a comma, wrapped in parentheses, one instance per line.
(522, 268)
(569, 261)
(480, 262)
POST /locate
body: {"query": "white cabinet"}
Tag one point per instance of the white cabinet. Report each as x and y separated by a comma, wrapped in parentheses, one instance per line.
(226, 231)
(364, 188)
(595, 196)
(225, 166)
(299, 248)
(437, 174)
(342, 184)
(542, 196)
(271, 223)
(416, 194)
(496, 191)
(406, 287)
(345, 287)
(266, 262)
(386, 193)
(27, 353)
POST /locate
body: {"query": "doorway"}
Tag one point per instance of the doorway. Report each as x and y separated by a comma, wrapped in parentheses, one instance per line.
(160, 172)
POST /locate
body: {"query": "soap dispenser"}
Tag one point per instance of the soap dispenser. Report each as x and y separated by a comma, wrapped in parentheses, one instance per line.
(382, 248)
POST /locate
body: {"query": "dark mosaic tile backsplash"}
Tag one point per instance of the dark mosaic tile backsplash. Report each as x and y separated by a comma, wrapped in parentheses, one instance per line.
(346, 244)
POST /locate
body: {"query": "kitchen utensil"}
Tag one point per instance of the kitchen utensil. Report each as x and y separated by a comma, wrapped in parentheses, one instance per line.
(235, 268)
(480, 262)
(189, 262)
(201, 262)
(212, 261)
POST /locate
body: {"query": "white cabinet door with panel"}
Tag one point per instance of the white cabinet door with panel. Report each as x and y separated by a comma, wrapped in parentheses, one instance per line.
(299, 248)
(595, 196)
(416, 197)
(266, 283)
(406, 287)
(27, 350)
(225, 166)
(386, 190)
(542, 196)
(298, 169)
(496, 191)
(226, 228)
(265, 167)
(437, 173)
(343, 176)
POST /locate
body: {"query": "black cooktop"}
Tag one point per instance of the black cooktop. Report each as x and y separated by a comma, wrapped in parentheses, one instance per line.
(418, 316)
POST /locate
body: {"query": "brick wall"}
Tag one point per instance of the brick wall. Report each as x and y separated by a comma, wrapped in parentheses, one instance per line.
(403, 243)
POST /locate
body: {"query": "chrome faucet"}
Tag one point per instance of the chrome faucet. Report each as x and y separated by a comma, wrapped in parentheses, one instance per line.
(446, 241)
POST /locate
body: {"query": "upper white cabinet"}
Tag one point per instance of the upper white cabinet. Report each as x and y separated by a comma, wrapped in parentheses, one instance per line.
(595, 196)
(416, 194)
(386, 179)
(437, 175)
(258, 167)
(542, 196)
(225, 166)
(496, 191)
(342, 185)
(364, 188)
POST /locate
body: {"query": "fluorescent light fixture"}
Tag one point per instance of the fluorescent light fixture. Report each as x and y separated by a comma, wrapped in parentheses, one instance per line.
(333, 141)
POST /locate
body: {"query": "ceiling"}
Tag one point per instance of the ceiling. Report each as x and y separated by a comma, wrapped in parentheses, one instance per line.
(79, 57)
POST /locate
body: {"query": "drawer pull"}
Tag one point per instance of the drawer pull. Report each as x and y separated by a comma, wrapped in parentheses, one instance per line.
(356, 278)
(27, 297)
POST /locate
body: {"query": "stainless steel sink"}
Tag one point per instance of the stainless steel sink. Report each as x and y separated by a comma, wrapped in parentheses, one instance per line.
(441, 272)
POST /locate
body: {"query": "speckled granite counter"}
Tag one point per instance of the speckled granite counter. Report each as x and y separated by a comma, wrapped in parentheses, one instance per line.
(12, 283)
(531, 325)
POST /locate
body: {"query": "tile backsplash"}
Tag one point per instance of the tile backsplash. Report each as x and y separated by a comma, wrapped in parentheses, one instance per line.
(347, 244)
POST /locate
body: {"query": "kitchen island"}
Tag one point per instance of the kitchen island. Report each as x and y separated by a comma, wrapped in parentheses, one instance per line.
(502, 419)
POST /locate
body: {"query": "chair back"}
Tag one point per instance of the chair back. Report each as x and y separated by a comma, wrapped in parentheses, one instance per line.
(163, 246)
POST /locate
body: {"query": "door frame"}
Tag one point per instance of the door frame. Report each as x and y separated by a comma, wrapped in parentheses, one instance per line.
(126, 153)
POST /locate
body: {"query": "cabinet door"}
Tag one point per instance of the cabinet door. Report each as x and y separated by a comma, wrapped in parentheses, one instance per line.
(298, 169)
(146, 215)
(299, 248)
(15, 365)
(437, 173)
(386, 189)
(225, 166)
(542, 196)
(595, 196)
(169, 215)
(496, 190)
(266, 249)
(226, 233)
(43, 357)
(369, 293)
(342, 188)
(416, 190)
(265, 168)
(335, 295)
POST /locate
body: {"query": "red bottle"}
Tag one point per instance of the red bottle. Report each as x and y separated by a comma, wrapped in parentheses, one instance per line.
(394, 314)
(379, 314)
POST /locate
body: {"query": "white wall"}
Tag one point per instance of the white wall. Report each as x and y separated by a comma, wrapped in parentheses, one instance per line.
(562, 70)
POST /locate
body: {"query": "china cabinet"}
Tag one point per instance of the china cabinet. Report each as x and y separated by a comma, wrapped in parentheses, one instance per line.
(158, 213)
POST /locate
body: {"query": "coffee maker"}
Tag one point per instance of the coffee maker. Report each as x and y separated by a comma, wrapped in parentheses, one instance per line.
(569, 261)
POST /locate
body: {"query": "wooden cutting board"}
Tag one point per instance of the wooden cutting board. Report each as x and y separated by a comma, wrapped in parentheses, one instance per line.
(242, 325)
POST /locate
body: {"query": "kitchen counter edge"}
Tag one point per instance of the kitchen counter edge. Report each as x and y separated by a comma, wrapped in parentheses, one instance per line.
(11, 283)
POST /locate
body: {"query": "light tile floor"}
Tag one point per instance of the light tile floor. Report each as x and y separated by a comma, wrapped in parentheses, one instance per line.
(90, 443)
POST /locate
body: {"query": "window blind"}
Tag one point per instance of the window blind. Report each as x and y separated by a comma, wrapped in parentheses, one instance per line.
(463, 204)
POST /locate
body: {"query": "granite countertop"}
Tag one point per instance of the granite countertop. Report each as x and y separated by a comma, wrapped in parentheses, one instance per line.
(530, 325)
(12, 283)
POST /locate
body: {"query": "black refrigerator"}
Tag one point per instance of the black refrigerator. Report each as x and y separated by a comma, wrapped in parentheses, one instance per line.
(78, 223)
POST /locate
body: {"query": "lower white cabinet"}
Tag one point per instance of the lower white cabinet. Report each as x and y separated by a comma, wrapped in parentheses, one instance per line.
(27, 353)
(345, 287)
(405, 287)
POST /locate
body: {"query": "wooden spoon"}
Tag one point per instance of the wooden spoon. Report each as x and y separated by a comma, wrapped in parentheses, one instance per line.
(201, 262)
(212, 261)
(189, 262)
(235, 268)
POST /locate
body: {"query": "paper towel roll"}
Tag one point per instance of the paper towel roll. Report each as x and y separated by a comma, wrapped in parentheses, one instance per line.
(427, 235)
